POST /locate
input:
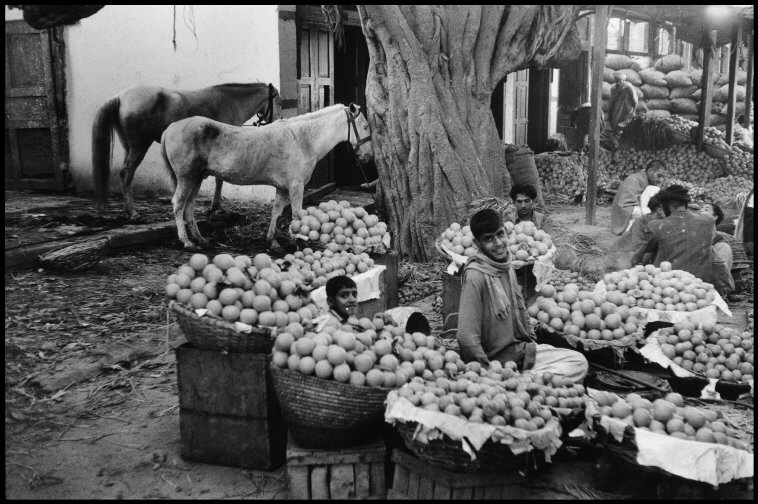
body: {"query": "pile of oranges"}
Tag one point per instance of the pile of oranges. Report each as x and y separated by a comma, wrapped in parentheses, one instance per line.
(344, 225)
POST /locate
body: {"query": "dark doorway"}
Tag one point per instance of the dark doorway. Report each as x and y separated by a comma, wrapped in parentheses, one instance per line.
(350, 71)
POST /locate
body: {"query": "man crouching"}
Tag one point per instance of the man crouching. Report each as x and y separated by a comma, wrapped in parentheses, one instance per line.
(493, 323)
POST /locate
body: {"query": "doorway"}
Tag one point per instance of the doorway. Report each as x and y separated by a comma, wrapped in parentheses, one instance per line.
(36, 138)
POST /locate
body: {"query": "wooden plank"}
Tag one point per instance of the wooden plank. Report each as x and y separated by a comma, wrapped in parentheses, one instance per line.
(233, 441)
(598, 59)
(341, 481)
(320, 482)
(392, 261)
(493, 492)
(425, 488)
(706, 95)
(400, 483)
(749, 84)
(362, 481)
(414, 480)
(733, 62)
(233, 384)
(441, 492)
(297, 482)
(378, 480)
(461, 493)
(370, 452)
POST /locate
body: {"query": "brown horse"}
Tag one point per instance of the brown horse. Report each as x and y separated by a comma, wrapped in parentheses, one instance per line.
(141, 114)
(283, 155)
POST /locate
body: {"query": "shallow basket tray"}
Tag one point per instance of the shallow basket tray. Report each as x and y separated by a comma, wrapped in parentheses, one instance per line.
(77, 257)
(322, 413)
(447, 453)
(210, 333)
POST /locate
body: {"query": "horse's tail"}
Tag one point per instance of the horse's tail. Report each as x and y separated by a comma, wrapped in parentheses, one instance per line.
(166, 161)
(106, 121)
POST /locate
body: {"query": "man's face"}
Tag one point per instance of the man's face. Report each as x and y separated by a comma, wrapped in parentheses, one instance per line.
(708, 210)
(494, 245)
(524, 205)
(345, 302)
(655, 176)
(658, 213)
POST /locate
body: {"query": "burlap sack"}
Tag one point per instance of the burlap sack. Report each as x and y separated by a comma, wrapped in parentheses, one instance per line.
(678, 78)
(659, 104)
(669, 63)
(651, 92)
(618, 61)
(608, 75)
(631, 76)
(606, 91)
(697, 77)
(683, 92)
(653, 77)
(684, 106)
(641, 63)
(659, 113)
(519, 160)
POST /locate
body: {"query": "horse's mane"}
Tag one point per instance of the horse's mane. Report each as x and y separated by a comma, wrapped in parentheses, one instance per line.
(240, 84)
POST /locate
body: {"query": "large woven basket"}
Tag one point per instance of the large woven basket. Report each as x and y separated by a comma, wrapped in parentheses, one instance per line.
(323, 413)
(448, 453)
(77, 257)
(211, 333)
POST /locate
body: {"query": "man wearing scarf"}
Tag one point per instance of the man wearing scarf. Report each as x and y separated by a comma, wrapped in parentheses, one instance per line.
(633, 195)
(492, 320)
(683, 237)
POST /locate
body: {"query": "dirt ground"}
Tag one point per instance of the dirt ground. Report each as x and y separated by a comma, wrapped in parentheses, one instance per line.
(115, 434)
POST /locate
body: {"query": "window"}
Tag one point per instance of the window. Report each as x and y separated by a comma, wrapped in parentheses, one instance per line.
(638, 36)
(615, 33)
(664, 41)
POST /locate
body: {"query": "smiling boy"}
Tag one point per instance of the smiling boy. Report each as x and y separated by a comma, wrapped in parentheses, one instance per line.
(342, 298)
(492, 320)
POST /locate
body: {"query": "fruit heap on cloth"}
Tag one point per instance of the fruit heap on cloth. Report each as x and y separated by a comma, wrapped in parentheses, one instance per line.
(690, 442)
(376, 355)
(316, 267)
(711, 350)
(526, 243)
(346, 226)
(256, 292)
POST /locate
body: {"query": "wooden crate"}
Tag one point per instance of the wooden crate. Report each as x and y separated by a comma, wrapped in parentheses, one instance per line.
(415, 479)
(228, 411)
(389, 291)
(451, 294)
(357, 472)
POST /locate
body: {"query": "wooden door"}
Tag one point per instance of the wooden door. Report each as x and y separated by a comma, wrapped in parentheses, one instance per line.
(33, 144)
(521, 107)
(316, 85)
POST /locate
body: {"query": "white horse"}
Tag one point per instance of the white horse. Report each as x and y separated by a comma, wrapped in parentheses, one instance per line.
(283, 154)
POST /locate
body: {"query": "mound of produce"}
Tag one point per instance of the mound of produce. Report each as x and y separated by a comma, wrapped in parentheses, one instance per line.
(712, 350)
(658, 288)
(346, 226)
(725, 191)
(566, 174)
(697, 193)
(458, 239)
(740, 164)
(238, 289)
(683, 163)
(379, 355)
(559, 278)
(588, 315)
(668, 416)
(498, 395)
(315, 268)
(524, 240)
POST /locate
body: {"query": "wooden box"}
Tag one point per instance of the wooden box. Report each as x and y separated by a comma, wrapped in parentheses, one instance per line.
(229, 414)
(451, 294)
(357, 472)
(389, 296)
(415, 479)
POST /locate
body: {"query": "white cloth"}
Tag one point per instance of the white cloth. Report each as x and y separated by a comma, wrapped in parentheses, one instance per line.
(560, 361)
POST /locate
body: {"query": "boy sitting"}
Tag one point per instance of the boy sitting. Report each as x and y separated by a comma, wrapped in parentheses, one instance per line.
(342, 298)
(492, 320)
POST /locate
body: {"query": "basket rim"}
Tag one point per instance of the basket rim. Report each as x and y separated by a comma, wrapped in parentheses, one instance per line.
(183, 310)
(322, 383)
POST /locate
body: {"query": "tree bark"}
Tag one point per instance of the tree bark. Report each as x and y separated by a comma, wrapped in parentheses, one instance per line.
(431, 76)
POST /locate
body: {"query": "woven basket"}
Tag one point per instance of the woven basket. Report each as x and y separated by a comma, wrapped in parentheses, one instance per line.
(210, 333)
(447, 453)
(325, 413)
(77, 257)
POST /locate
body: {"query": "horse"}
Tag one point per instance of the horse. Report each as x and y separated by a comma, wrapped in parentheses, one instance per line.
(141, 114)
(282, 155)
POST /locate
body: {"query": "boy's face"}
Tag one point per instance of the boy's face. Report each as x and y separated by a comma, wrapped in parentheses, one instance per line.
(708, 210)
(494, 245)
(345, 302)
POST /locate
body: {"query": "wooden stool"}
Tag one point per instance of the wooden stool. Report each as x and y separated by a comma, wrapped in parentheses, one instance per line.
(415, 479)
(351, 473)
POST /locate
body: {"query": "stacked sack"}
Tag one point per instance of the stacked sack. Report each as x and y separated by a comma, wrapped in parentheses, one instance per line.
(721, 95)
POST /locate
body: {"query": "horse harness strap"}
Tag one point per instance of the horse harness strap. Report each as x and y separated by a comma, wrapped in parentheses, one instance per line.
(262, 119)
(351, 121)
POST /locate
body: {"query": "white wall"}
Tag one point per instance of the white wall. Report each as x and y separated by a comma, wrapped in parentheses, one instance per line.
(125, 45)
(13, 14)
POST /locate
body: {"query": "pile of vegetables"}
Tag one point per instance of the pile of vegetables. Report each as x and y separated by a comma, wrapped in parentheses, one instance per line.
(315, 268)
(559, 278)
(740, 163)
(725, 190)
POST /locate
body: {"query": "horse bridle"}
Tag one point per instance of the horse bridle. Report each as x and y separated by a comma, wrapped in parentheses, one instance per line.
(359, 141)
(262, 119)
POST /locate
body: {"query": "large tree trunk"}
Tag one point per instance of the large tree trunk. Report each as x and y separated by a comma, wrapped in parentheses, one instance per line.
(431, 76)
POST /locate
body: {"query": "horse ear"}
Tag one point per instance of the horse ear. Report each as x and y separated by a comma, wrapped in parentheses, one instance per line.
(271, 88)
